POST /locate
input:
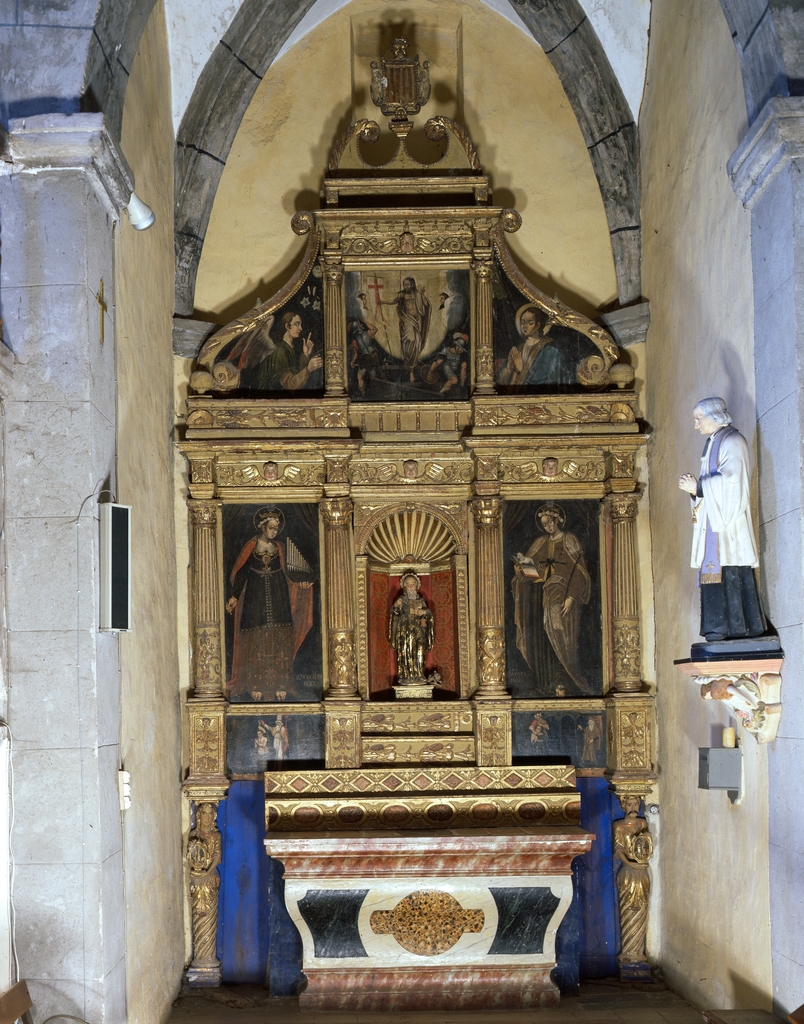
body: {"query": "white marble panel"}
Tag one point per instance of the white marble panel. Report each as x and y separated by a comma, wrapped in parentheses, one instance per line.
(48, 794)
(113, 918)
(472, 949)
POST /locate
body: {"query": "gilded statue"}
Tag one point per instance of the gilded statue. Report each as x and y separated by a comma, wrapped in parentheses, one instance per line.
(724, 550)
(410, 630)
(633, 846)
(204, 851)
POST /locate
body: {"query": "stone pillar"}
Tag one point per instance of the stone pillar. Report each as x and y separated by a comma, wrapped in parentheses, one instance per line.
(625, 603)
(334, 327)
(767, 172)
(342, 701)
(484, 359)
(207, 678)
(63, 183)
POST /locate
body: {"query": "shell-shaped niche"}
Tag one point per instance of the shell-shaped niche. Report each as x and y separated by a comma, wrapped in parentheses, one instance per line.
(411, 538)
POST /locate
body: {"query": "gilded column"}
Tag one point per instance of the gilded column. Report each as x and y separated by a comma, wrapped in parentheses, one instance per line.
(207, 679)
(334, 321)
(204, 854)
(625, 602)
(489, 612)
(342, 740)
(484, 366)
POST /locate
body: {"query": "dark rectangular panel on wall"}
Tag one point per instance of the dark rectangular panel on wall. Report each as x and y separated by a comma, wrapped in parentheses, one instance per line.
(577, 735)
(273, 742)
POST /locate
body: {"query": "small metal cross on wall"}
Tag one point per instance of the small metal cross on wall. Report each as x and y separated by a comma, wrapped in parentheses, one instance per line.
(103, 309)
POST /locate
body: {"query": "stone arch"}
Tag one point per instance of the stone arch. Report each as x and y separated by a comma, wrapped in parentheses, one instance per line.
(258, 32)
(755, 38)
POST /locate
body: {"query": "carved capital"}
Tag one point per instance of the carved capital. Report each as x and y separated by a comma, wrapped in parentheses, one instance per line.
(482, 269)
(204, 514)
(487, 512)
(623, 508)
(336, 512)
(333, 271)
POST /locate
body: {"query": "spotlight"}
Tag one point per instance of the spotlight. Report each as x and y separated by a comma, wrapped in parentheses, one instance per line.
(140, 215)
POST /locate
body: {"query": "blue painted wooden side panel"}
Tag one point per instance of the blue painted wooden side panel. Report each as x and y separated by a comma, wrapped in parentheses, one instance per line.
(599, 916)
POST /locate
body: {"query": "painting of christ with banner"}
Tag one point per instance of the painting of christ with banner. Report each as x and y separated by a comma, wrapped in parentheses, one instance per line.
(408, 335)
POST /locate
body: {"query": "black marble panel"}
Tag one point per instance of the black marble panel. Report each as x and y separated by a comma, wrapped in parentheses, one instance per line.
(331, 915)
(524, 914)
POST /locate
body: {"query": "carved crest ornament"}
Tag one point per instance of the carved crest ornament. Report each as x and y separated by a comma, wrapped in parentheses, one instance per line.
(449, 546)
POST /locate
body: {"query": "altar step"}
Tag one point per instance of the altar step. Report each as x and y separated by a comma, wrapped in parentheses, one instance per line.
(421, 798)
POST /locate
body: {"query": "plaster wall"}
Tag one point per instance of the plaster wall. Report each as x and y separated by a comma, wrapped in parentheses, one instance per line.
(697, 275)
(514, 107)
(151, 726)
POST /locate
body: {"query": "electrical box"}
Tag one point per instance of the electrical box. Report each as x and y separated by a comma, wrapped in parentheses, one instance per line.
(720, 768)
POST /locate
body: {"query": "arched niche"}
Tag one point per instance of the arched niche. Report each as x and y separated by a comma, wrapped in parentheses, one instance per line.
(420, 539)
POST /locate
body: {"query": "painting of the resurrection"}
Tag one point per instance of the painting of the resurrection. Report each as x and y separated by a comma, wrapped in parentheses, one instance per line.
(533, 353)
(259, 743)
(272, 603)
(407, 335)
(553, 601)
(283, 353)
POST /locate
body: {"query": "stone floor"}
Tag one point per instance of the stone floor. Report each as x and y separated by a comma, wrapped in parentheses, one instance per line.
(598, 1003)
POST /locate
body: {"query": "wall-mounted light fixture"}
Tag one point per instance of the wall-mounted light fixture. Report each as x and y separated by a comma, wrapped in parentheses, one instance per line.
(140, 215)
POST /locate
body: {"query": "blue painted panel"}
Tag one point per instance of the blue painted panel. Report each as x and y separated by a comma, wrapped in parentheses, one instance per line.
(566, 974)
(243, 924)
(599, 917)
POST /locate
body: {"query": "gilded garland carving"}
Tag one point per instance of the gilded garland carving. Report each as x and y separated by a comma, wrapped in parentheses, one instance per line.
(276, 415)
(491, 660)
(627, 652)
(417, 721)
(634, 739)
(343, 740)
(400, 473)
(405, 750)
(342, 670)
(494, 732)
(268, 474)
(570, 469)
(417, 237)
(535, 414)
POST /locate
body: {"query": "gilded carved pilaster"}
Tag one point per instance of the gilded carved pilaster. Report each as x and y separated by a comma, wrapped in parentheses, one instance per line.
(629, 719)
(342, 740)
(337, 516)
(489, 611)
(207, 679)
(334, 339)
(204, 854)
(484, 365)
(493, 734)
(625, 604)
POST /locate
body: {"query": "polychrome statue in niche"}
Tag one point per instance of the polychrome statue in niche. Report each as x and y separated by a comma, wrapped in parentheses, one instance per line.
(410, 631)
(554, 606)
(723, 547)
(271, 604)
(407, 334)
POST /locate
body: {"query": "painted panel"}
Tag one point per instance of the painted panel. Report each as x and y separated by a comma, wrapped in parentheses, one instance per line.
(532, 353)
(273, 611)
(283, 354)
(408, 335)
(553, 604)
(260, 743)
(578, 735)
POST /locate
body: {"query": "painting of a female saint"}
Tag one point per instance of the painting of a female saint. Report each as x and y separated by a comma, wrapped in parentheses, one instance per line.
(271, 601)
(538, 359)
(550, 587)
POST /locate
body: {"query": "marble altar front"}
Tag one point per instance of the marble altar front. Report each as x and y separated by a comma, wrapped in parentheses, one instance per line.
(417, 920)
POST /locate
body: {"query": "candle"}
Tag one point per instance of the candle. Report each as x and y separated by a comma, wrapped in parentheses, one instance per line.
(729, 738)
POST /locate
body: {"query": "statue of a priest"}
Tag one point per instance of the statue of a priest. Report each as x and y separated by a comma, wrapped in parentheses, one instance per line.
(723, 547)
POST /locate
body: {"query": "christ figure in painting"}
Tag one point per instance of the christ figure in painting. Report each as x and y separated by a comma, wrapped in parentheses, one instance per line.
(413, 310)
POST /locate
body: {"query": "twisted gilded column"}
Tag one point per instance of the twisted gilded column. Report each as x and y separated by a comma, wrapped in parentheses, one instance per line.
(625, 600)
(337, 516)
(489, 612)
(207, 680)
(484, 365)
(334, 321)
